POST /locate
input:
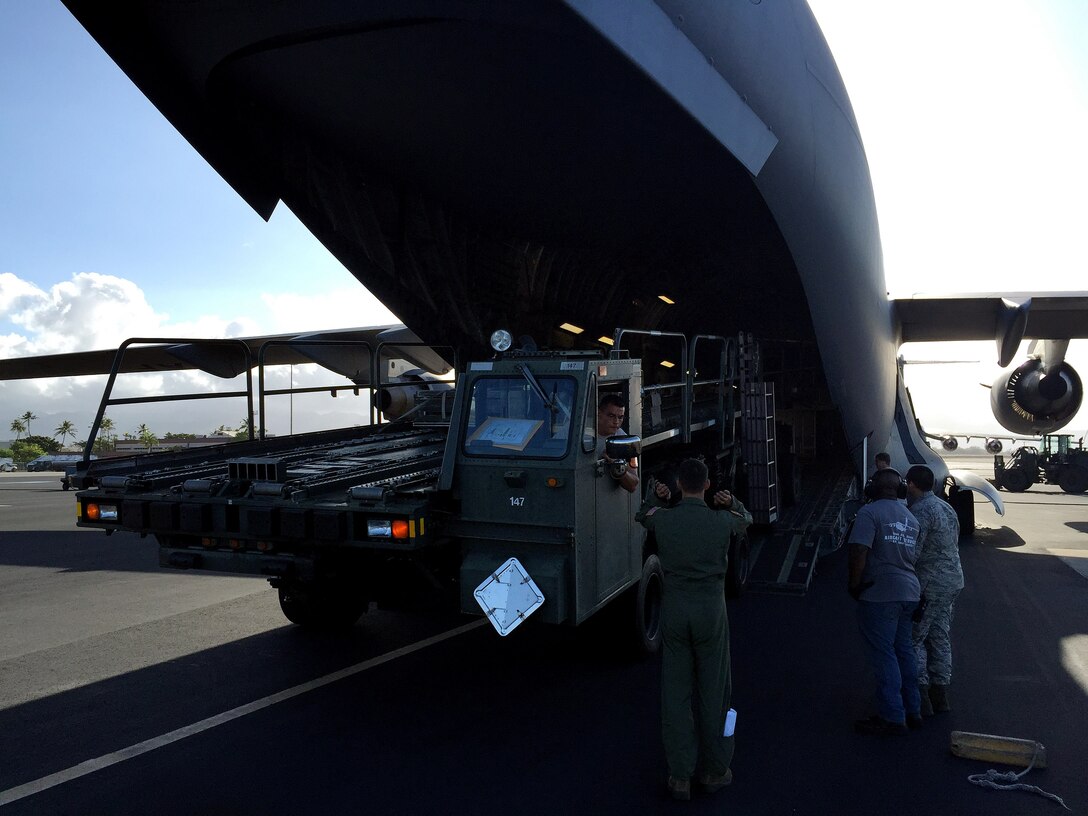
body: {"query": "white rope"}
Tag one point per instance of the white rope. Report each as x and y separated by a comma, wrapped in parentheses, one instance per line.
(1011, 781)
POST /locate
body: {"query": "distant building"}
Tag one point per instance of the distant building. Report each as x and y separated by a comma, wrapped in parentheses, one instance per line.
(129, 446)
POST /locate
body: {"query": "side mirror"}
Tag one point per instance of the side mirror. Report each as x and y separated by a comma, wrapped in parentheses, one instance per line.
(622, 447)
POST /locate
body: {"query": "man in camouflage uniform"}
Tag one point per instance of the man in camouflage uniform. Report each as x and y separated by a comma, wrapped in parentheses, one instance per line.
(696, 687)
(941, 578)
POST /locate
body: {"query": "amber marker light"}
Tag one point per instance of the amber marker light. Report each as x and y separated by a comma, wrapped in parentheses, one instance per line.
(400, 528)
(92, 511)
(553, 481)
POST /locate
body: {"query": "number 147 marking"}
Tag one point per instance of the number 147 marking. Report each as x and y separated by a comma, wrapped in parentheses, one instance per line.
(517, 501)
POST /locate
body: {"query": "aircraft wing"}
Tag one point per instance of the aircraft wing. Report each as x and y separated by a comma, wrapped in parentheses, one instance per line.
(1004, 317)
(994, 442)
(227, 357)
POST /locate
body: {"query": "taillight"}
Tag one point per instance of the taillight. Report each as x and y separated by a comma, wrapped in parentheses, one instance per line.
(100, 512)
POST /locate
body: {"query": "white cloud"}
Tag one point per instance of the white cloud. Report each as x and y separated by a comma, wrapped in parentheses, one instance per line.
(90, 311)
(339, 308)
(94, 311)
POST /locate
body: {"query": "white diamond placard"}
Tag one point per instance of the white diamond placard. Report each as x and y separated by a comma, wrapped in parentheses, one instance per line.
(508, 596)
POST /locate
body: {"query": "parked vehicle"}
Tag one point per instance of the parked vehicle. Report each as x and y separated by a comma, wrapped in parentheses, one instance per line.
(54, 461)
(1059, 462)
(506, 467)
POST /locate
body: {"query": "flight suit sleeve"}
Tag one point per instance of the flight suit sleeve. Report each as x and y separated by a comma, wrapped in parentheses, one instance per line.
(740, 516)
(650, 511)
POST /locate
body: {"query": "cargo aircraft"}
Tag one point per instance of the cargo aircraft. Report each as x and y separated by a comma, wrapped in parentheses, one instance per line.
(564, 167)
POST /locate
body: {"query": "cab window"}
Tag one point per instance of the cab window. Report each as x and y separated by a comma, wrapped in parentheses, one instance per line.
(508, 418)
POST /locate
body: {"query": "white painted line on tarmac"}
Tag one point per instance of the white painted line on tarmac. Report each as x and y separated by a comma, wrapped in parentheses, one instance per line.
(105, 761)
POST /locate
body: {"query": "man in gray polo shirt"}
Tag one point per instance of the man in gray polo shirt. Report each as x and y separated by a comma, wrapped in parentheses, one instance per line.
(883, 548)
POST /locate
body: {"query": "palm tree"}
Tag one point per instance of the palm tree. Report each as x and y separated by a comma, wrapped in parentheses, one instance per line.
(27, 418)
(106, 426)
(64, 430)
(148, 437)
(18, 427)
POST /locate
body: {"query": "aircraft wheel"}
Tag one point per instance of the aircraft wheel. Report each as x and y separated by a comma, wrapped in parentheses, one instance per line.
(1073, 479)
(963, 502)
(320, 605)
(647, 606)
(1015, 480)
(740, 565)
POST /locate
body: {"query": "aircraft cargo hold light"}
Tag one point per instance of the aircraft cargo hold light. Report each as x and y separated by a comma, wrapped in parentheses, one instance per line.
(571, 328)
(666, 299)
(606, 340)
(668, 363)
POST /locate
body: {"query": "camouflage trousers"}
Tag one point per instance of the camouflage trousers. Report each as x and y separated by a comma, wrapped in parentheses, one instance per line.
(932, 642)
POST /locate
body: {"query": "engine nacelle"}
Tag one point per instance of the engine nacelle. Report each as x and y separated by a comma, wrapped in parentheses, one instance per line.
(950, 443)
(994, 446)
(399, 399)
(1028, 401)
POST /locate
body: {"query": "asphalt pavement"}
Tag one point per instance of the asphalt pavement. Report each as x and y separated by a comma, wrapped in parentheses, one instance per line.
(129, 689)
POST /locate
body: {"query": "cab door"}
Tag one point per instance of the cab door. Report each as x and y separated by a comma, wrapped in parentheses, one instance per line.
(618, 536)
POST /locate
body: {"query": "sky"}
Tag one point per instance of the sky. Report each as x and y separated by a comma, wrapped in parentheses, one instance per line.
(973, 115)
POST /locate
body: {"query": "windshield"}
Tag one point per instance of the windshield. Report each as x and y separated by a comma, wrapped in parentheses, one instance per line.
(507, 417)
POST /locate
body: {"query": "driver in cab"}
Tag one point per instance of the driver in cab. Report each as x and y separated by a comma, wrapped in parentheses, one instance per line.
(610, 415)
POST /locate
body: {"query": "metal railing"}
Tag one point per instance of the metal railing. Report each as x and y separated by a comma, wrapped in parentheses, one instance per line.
(115, 369)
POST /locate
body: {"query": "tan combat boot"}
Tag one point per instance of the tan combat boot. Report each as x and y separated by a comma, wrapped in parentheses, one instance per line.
(927, 704)
(938, 696)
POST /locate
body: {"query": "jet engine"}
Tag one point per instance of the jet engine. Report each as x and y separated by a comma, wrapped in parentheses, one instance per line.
(950, 443)
(397, 400)
(1036, 399)
(994, 446)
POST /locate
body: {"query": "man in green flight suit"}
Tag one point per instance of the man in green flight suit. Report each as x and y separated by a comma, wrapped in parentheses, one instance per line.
(693, 545)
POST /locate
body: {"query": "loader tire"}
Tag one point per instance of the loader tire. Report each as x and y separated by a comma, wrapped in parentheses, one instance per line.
(647, 607)
(1073, 479)
(1015, 480)
(740, 566)
(320, 605)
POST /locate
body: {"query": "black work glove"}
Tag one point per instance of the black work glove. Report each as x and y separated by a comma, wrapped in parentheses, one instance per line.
(855, 592)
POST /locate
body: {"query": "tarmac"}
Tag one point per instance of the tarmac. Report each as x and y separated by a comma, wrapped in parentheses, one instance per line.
(109, 652)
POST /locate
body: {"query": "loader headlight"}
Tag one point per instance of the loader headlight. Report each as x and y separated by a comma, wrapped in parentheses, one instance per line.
(501, 340)
(379, 528)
